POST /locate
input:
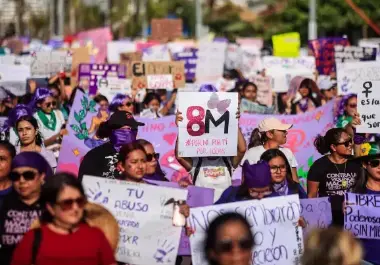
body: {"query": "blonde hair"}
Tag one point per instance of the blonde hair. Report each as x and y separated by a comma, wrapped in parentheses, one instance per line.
(332, 246)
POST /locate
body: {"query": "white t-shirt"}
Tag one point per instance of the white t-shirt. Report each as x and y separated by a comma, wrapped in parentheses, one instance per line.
(253, 155)
(212, 174)
(47, 154)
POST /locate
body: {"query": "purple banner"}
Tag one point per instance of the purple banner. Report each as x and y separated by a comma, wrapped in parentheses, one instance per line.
(93, 76)
(189, 56)
(196, 197)
(324, 53)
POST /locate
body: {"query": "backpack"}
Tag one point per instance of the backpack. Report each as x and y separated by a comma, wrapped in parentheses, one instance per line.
(199, 164)
(36, 244)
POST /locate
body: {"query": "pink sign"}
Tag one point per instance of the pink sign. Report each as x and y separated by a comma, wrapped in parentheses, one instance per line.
(98, 38)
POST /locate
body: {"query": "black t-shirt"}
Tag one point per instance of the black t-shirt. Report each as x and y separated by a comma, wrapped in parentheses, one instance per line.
(15, 220)
(100, 162)
(334, 179)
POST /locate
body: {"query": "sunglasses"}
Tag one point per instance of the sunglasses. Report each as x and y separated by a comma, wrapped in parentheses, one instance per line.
(68, 204)
(27, 175)
(149, 157)
(226, 246)
(374, 163)
(128, 104)
(51, 104)
(346, 143)
(352, 105)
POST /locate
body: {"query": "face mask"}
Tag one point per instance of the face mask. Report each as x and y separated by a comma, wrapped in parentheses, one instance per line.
(121, 137)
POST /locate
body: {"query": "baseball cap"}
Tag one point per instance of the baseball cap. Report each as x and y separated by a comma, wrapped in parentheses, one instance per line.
(121, 118)
(272, 123)
(326, 84)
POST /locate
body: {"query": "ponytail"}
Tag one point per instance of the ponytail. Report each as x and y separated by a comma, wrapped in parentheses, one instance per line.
(257, 138)
(321, 145)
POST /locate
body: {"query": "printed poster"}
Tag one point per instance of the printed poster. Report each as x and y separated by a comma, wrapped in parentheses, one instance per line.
(147, 234)
(278, 239)
(209, 126)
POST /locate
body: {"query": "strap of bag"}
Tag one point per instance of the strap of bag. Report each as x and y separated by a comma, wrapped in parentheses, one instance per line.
(36, 244)
(197, 169)
(228, 164)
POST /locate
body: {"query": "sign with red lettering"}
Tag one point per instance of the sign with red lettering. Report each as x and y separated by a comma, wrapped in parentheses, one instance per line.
(209, 126)
(160, 81)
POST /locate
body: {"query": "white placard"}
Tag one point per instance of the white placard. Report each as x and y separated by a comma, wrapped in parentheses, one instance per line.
(223, 85)
(233, 56)
(115, 48)
(157, 53)
(278, 239)
(13, 78)
(283, 70)
(251, 60)
(49, 63)
(160, 82)
(209, 126)
(114, 86)
(147, 235)
(210, 61)
(348, 73)
(316, 212)
(368, 106)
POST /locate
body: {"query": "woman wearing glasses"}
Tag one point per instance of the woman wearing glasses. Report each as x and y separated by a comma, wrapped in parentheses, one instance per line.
(50, 120)
(153, 168)
(65, 236)
(333, 174)
(22, 206)
(369, 183)
(229, 241)
(122, 102)
(282, 181)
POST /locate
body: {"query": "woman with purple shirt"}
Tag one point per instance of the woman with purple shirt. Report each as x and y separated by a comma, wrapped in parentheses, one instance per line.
(369, 183)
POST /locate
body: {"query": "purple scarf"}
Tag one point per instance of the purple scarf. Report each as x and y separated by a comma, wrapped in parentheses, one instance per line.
(120, 137)
(281, 188)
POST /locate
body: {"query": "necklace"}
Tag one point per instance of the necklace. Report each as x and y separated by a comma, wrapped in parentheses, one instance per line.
(344, 182)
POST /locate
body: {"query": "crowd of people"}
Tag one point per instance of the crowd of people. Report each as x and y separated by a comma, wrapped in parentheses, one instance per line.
(45, 217)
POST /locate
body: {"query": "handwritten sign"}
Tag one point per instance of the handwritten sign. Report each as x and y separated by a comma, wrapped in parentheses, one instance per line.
(147, 235)
(48, 63)
(166, 28)
(368, 106)
(287, 44)
(316, 212)
(277, 239)
(349, 72)
(210, 61)
(94, 76)
(128, 57)
(13, 78)
(362, 215)
(264, 89)
(140, 71)
(354, 54)
(209, 126)
(160, 81)
(189, 57)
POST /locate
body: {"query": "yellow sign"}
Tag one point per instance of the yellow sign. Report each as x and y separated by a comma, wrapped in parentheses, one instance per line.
(287, 44)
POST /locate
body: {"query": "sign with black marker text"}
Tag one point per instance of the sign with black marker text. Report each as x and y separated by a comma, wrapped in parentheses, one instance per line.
(368, 106)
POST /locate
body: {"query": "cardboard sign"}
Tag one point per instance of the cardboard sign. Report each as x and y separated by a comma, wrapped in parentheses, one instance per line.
(147, 233)
(273, 221)
(264, 89)
(362, 215)
(166, 28)
(209, 126)
(316, 212)
(286, 45)
(353, 54)
(116, 48)
(93, 76)
(368, 106)
(49, 63)
(127, 58)
(156, 53)
(140, 71)
(80, 55)
(210, 61)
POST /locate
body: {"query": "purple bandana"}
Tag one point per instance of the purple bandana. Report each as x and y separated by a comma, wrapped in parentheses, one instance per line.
(120, 137)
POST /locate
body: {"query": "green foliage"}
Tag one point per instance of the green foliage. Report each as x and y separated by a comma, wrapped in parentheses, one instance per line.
(80, 129)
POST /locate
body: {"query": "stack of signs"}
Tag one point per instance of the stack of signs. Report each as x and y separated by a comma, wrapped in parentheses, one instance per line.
(103, 78)
(368, 92)
(166, 28)
(210, 61)
(189, 57)
(49, 63)
(324, 53)
(209, 126)
(282, 70)
(286, 45)
(158, 75)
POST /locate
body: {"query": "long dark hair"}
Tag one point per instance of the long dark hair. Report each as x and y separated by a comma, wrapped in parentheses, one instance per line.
(151, 96)
(323, 143)
(361, 181)
(213, 229)
(127, 149)
(9, 147)
(53, 187)
(269, 154)
(257, 138)
(34, 123)
(143, 143)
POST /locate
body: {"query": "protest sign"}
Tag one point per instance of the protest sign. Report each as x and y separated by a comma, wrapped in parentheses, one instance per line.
(353, 54)
(166, 28)
(250, 60)
(362, 215)
(92, 77)
(80, 55)
(316, 212)
(368, 106)
(147, 234)
(264, 89)
(13, 59)
(116, 48)
(349, 72)
(233, 57)
(196, 197)
(210, 62)
(209, 126)
(287, 44)
(283, 70)
(97, 39)
(141, 71)
(223, 85)
(13, 78)
(273, 221)
(189, 57)
(156, 53)
(114, 86)
(84, 120)
(49, 63)
(247, 106)
(323, 50)
(128, 57)
(258, 42)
